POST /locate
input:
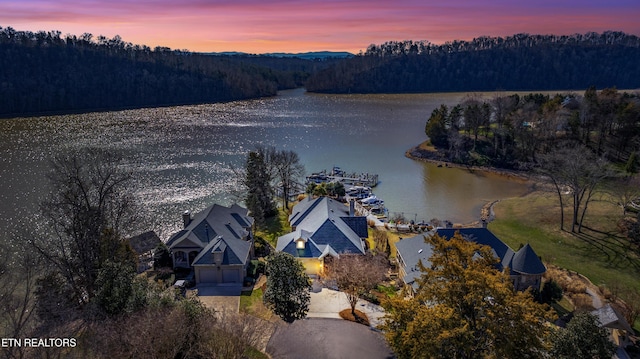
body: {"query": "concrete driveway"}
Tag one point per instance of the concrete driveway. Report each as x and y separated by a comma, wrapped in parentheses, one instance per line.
(220, 297)
(328, 303)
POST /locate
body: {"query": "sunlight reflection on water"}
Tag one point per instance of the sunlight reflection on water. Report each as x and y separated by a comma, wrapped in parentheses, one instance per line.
(187, 157)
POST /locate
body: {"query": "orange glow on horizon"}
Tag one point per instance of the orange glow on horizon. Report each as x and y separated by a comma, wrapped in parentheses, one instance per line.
(330, 25)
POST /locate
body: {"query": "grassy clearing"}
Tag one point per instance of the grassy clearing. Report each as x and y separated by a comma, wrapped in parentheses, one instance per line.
(276, 226)
(600, 253)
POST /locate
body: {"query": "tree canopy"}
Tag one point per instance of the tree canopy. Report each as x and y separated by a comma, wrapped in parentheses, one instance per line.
(518, 62)
(49, 72)
(288, 286)
(356, 274)
(465, 308)
(582, 338)
(87, 213)
(259, 196)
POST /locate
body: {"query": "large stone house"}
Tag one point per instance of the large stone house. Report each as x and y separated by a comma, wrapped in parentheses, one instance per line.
(216, 244)
(323, 227)
(525, 267)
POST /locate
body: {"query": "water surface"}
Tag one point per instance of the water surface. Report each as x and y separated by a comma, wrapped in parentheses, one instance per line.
(187, 157)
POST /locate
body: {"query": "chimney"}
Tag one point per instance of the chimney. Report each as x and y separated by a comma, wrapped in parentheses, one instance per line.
(186, 218)
(484, 223)
(352, 207)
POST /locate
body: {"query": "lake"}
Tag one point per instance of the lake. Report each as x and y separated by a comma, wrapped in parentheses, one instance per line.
(187, 157)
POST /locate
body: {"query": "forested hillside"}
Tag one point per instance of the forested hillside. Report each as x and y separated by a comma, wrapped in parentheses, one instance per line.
(515, 131)
(47, 72)
(519, 62)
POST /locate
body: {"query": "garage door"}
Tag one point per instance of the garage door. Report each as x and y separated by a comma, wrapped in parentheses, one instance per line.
(230, 276)
(207, 276)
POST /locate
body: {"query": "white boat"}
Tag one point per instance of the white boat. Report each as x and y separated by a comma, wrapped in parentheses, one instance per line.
(372, 200)
(358, 192)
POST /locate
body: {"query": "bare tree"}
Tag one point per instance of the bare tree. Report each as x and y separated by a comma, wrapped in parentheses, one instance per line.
(381, 240)
(356, 274)
(624, 192)
(285, 169)
(185, 329)
(18, 274)
(573, 168)
(85, 216)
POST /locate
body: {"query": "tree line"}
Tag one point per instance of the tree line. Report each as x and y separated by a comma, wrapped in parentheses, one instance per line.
(573, 140)
(519, 62)
(514, 131)
(47, 72)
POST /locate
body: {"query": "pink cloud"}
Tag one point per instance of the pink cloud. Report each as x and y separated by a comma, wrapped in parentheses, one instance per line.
(269, 26)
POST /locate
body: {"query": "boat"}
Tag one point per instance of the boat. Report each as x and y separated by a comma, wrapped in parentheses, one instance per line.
(317, 178)
(339, 175)
(358, 192)
(371, 201)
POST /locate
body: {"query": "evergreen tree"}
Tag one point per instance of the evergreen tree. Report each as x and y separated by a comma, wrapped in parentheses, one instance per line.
(288, 287)
(259, 199)
(436, 127)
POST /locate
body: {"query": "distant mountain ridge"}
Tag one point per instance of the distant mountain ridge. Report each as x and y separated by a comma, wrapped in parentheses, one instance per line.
(45, 72)
(313, 55)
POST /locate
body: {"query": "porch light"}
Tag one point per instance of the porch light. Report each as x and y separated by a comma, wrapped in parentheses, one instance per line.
(300, 243)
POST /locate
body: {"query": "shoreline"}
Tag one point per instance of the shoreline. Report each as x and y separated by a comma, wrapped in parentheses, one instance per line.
(417, 153)
(487, 214)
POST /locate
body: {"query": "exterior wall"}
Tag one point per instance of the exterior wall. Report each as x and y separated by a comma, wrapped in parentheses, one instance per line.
(523, 282)
(313, 266)
(211, 274)
(182, 257)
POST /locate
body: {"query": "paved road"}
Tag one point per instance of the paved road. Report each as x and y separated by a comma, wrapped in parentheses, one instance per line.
(321, 338)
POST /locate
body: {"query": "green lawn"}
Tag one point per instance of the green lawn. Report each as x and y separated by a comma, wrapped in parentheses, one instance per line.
(249, 299)
(276, 227)
(600, 252)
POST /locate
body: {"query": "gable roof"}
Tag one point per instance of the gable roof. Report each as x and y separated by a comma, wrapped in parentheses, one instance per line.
(216, 229)
(413, 249)
(214, 221)
(234, 252)
(609, 317)
(326, 222)
(482, 236)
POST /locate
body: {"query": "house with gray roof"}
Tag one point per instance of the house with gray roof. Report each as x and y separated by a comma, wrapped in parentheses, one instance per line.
(525, 267)
(618, 327)
(216, 244)
(323, 227)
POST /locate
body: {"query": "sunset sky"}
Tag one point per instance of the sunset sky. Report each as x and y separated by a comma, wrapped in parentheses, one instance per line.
(260, 26)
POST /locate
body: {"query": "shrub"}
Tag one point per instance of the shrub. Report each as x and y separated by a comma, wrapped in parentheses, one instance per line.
(582, 301)
(551, 292)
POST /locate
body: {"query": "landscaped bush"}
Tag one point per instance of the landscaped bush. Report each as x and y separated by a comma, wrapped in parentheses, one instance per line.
(255, 268)
(582, 301)
(576, 286)
(551, 292)
(371, 297)
(262, 247)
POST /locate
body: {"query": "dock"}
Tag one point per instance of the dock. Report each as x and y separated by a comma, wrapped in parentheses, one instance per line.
(348, 179)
